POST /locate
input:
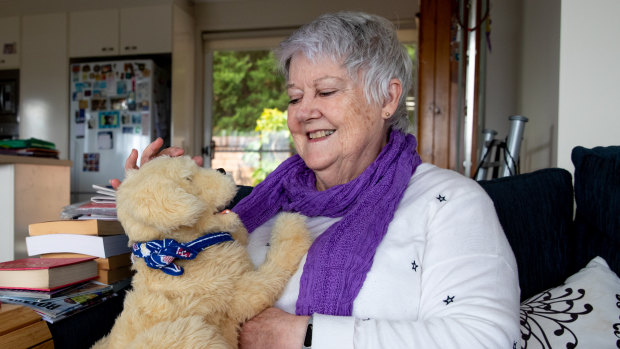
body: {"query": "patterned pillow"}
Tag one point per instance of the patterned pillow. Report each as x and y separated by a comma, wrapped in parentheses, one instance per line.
(584, 312)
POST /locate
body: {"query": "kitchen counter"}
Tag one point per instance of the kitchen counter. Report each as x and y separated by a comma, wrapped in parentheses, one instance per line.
(14, 159)
(33, 190)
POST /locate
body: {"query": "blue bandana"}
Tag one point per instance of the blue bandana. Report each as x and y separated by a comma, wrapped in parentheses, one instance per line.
(159, 254)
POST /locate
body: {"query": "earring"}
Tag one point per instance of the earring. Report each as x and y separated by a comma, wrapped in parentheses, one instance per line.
(387, 113)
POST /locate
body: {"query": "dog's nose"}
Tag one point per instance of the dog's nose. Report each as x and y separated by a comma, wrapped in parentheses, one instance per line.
(221, 170)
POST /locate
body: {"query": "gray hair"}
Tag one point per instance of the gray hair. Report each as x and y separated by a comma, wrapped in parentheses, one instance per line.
(368, 47)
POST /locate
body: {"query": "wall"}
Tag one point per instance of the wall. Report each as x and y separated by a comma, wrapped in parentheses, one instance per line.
(568, 77)
(251, 14)
(522, 76)
(589, 77)
(44, 85)
(183, 82)
(539, 85)
(503, 65)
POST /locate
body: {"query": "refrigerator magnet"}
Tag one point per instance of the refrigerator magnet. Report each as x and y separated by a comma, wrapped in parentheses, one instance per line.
(118, 103)
(80, 130)
(80, 116)
(105, 140)
(109, 119)
(146, 123)
(98, 104)
(144, 105)
(125, 118)
(90, 162)
(121, 87)
(128, 129)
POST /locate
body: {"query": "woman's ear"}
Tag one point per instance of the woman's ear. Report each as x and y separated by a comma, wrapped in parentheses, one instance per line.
(395, 90)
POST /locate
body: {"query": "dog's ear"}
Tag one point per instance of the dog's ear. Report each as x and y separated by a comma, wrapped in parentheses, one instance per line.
(158, 202)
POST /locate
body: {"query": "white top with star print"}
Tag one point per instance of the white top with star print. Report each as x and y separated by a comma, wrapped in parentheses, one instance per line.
(444, 276)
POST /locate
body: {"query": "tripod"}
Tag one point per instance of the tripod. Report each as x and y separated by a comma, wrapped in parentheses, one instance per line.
(508, 164)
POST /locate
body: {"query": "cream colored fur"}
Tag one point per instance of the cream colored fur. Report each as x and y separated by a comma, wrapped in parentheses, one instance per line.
(221, 288)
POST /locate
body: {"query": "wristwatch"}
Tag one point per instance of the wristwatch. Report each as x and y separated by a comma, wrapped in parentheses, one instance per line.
(308, 340)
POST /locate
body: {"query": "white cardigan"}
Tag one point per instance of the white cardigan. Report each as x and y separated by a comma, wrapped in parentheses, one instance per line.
(444, 275)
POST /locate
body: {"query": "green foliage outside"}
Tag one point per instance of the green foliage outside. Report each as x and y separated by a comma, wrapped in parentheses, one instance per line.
(244, 83)
(271, 119)
(271, 125)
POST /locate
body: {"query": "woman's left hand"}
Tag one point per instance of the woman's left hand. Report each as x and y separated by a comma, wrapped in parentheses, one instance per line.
(273, 329)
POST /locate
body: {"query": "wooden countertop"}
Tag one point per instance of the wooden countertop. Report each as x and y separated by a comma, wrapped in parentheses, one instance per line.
(33, 160)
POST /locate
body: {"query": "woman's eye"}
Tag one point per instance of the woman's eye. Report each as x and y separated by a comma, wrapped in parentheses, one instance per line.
(326, 93)
(293, 101)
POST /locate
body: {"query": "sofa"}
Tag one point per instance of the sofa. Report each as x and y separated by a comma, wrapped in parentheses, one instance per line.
(565, 240)
(567, 255)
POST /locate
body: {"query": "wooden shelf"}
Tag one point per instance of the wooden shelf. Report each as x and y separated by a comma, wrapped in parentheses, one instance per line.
(21, 327)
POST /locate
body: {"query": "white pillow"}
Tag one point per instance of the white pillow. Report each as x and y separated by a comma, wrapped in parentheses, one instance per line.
(584, 312)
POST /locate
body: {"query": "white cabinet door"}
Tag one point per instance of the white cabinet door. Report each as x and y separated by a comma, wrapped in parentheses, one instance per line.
(9, 43)
(146, 29)
(93, 33)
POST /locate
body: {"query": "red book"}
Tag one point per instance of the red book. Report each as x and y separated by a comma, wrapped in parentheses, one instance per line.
(46, 273)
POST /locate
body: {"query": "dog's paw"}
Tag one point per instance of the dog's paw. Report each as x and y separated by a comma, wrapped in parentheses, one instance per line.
(291, 234)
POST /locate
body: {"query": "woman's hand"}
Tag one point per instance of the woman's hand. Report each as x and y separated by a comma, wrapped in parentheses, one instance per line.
(150, 152)
(273, 329)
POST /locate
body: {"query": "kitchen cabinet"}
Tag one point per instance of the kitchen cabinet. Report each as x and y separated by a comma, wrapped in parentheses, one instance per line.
(124, 31)
(93, 33)
(146, 30)
(9, 43)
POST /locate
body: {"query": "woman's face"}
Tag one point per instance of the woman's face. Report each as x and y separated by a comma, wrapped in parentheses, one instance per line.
(335, 130)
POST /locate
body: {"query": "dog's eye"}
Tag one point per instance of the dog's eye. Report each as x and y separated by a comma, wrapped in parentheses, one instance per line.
(221, 170)
(188, 178)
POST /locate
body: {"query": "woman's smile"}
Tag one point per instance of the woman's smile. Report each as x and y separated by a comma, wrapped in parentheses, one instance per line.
(319, 135)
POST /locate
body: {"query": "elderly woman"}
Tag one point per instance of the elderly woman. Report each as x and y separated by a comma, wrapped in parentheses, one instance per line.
(406, 255)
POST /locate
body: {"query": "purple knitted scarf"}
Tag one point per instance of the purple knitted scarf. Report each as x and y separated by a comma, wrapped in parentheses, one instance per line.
(340, 258)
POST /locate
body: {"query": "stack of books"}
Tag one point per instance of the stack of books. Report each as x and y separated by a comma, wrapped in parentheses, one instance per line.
(103, 239)
(54, 288)
(100, 206)
(29, 147)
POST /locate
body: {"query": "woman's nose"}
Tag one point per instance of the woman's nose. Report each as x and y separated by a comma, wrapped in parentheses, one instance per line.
(307, 109)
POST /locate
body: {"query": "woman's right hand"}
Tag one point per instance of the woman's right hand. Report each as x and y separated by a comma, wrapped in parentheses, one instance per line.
(150, 152)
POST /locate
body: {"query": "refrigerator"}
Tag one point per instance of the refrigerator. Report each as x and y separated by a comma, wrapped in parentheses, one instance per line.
(115, 106)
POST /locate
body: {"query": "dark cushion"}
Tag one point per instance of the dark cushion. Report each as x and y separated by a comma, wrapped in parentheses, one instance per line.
(536, 212)
(597, 196)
